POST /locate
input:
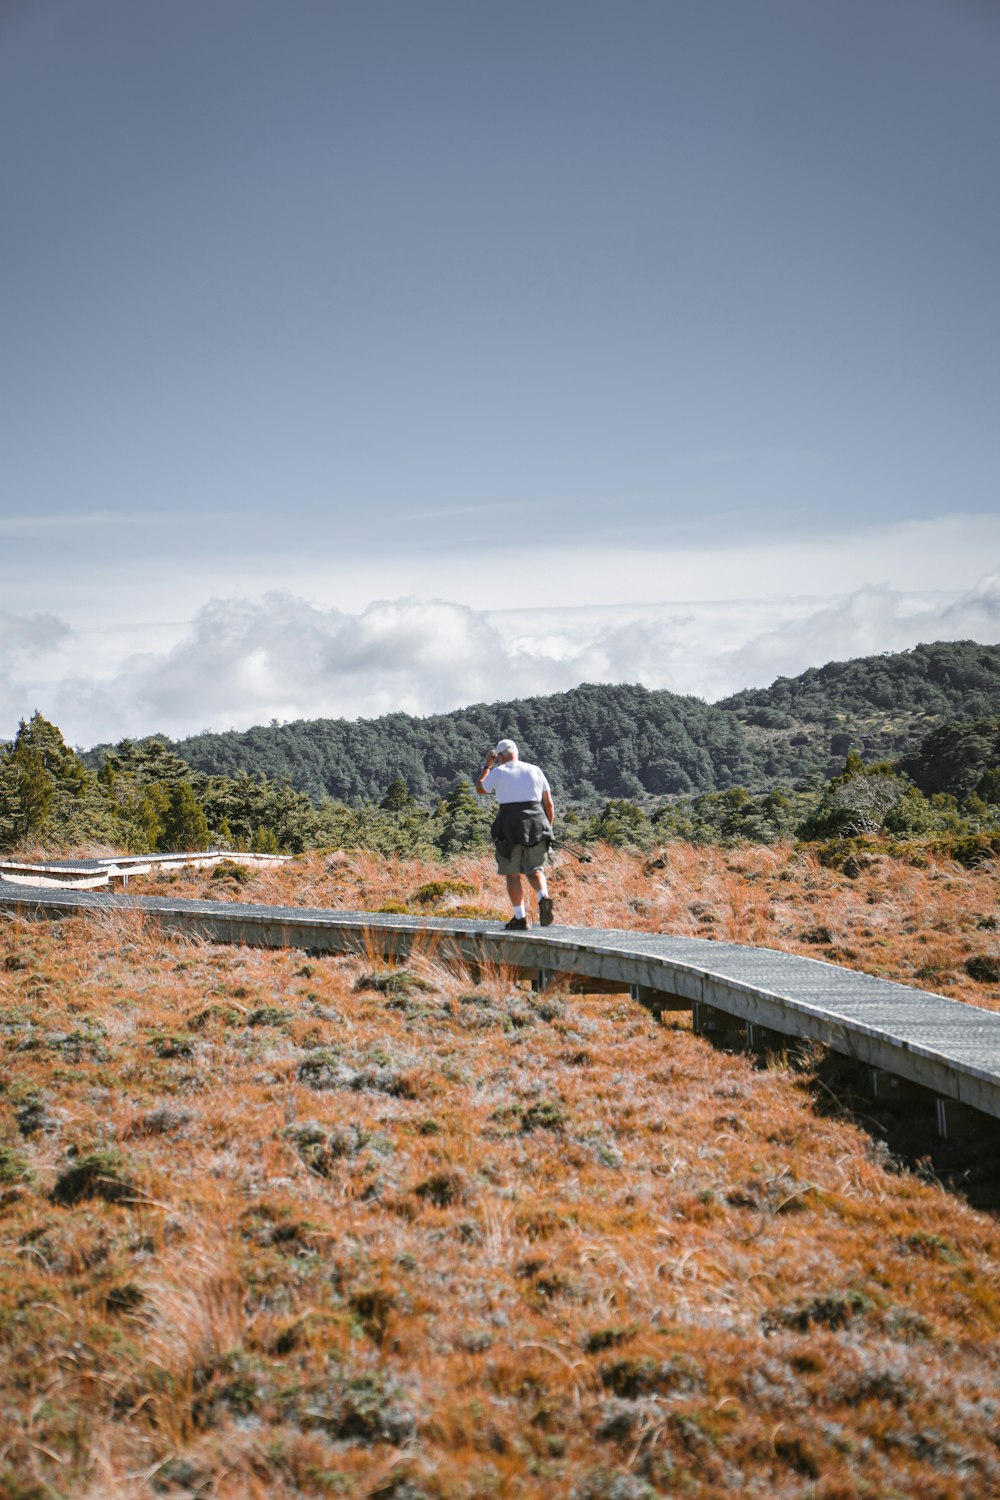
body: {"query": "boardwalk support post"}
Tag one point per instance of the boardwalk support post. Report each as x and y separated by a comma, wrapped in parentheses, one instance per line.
(719, 1027)
(658, 1002)
(957, 1122)
(890, 1088)
(765, 1041)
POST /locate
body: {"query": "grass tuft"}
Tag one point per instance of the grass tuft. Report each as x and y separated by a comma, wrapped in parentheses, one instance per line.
(100, 1174)
(14, 1167)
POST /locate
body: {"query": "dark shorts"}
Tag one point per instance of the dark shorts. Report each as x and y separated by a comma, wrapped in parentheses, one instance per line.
(523, 859)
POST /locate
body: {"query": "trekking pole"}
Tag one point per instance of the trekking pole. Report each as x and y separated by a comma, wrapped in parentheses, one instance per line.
(578, 854)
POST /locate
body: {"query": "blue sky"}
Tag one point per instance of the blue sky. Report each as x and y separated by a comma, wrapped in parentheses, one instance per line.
(534, 309)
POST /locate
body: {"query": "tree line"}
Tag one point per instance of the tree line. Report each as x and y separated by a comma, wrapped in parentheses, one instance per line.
(595, 741)
(599, 743)
(145, 797)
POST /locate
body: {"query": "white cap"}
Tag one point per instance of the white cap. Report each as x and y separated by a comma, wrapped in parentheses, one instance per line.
(504, 747)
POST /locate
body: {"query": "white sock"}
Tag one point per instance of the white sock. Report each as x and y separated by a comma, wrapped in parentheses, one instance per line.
(519, 910)
(543, 887)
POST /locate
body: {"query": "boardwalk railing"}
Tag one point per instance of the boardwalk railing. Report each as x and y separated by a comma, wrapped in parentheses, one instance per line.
(913, 1043)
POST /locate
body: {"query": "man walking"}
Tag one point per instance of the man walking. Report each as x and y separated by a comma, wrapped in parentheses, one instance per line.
(522, 829)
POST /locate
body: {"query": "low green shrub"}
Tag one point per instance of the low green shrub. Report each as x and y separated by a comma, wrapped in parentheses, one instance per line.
(13, 1167)
(100, 1174)
(433, 890)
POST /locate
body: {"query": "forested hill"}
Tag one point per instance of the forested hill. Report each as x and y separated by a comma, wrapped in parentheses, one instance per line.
(594, 742)
(948, 678)
(801, 728)
(597, 742)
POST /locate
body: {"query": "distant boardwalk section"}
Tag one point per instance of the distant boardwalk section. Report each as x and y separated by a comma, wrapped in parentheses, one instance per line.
(91, 874)
(916, 1044)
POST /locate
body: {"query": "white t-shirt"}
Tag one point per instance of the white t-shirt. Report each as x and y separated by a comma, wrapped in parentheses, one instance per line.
(516, 781)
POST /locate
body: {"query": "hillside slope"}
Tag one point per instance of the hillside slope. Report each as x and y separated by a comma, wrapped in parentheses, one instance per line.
(601, 741)
(594, 742)
(951, 678)
(801, 727)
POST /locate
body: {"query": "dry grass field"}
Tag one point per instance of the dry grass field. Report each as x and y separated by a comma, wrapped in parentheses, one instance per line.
(273, 1225)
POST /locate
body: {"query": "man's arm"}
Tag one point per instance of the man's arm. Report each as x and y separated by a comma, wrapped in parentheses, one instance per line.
(548, 807)
(484, 773)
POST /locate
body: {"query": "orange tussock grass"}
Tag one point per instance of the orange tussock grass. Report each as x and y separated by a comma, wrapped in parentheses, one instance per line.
(459, 1240)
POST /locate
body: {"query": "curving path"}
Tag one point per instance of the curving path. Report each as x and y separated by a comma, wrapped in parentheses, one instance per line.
(917, 1046)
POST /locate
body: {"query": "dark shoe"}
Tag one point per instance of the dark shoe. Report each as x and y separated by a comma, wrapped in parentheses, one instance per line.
(517, 924)
(545, 911)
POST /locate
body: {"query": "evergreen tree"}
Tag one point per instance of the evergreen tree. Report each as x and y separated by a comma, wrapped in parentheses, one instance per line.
(145, 822)
(956, 757)
(14, 818)
(624, 825)
(46, 792)
(36, 786)
(184, 824)
(397, 797)
(151, 759)
(988, 787)
(465, 820)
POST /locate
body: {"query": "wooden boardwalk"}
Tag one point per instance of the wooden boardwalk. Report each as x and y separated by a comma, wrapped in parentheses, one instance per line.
(913, 1042)
(91, 874)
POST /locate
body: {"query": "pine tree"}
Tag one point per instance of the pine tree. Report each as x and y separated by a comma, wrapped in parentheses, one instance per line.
(397, 797)
(184, 824)
(47, 792)
(465, 822)
(149, 760)
(13, 816)
(147, 821)
(36, 786)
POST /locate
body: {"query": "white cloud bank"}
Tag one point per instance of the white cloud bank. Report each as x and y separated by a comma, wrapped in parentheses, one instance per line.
(244, 661)
(27, 636)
